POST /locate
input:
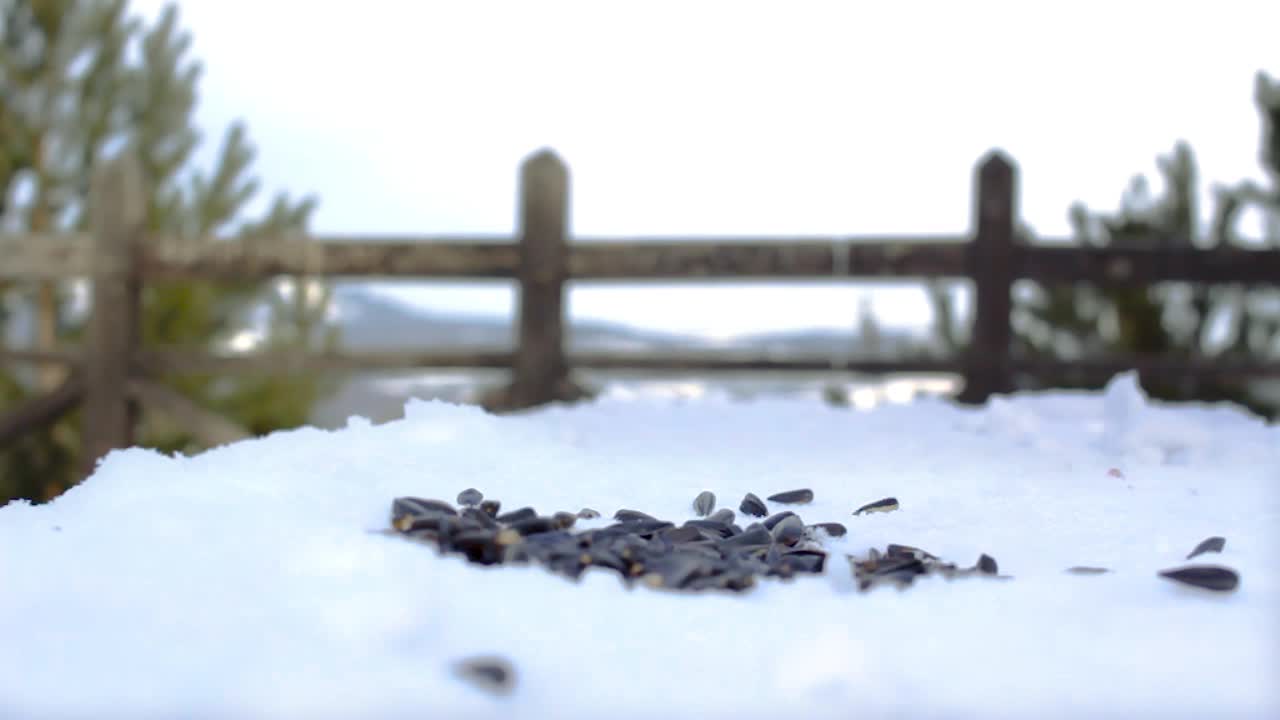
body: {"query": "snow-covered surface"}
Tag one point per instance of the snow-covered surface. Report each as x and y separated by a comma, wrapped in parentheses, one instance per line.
(245, 582)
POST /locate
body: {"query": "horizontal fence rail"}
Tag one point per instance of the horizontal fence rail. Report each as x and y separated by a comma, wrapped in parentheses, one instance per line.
(849, 257)
(112, 374)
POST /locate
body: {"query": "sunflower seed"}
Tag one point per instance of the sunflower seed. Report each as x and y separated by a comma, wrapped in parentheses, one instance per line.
(470, 497)
(885, 505)
(893, 550)
(832, 529)
(720, 529)
(515, 516)
(808, 561)
(723, 515)
(1085, 570)
(987, 565)
(789, 530)
(490, 508)
(479, 518)
(414, 507)
(478, 546)
(1209, 577)
(752, 505)
(564, 520)
(534, 526)
(758, 537)
(776, 518)
(489, 673)
(684, 534)
(704, 503)
(793, 497)
(588, 514)
(1213, 544)
(627, 515)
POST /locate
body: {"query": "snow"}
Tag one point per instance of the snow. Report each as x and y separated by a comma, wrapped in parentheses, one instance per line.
(245, 582)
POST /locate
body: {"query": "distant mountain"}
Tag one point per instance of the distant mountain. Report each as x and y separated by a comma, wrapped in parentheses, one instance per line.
(371, 324)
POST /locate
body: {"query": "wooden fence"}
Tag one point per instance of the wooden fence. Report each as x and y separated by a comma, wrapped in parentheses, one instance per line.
(112, 374)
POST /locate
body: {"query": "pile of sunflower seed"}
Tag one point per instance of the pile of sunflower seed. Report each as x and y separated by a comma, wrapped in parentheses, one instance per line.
(710, 552)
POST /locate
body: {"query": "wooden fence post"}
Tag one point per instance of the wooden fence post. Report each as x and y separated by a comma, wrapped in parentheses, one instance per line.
(541, 373)
(990, 260)
(118, 216)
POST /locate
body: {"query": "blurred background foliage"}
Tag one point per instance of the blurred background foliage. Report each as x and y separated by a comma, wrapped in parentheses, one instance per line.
(1173, 319)
(81, 81)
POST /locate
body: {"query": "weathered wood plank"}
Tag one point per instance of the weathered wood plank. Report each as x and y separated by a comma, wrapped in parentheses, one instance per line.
(1118, 267)
(42, 410)
(175, 361)
(247, 260)
(40, 357)
(62, 256)
(45, 256)
(539, 371)
(118, 214)
(208, 427)
(1155, 366)
(750, 362)
(172, 361)
(991, 266)
(797, 258)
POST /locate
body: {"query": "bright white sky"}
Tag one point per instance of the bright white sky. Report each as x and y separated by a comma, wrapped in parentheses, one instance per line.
(723, 118)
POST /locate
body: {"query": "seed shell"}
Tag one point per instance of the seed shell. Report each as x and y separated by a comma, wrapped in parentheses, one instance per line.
(1213, 544)
(793, 497)
(489, 673)
(704, 503)
(754, 506)
(886, 505)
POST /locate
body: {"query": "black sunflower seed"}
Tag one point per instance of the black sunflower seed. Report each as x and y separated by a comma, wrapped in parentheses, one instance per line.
(491, 507)
(534, 526)
(807, 561)
(723, 515)
(479, 546)
(789, 530)
(885, 505)
(515, 516)
(478, 518)
(588, 514)
(403, 507)
(894, 550)
(564, 520)
(710, 528)
(704, 503)
(987, 565)
(1213, 544)
(758, 537)
(489, 673)
(629, 515)
(684, 534)
(752, 505)
(470, 497)
(443, 524)
(833, 529)
(793, 497)
(776, 518)
(1209, 577)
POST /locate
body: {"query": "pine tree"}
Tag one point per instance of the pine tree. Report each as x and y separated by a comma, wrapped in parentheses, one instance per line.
(71, 94)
